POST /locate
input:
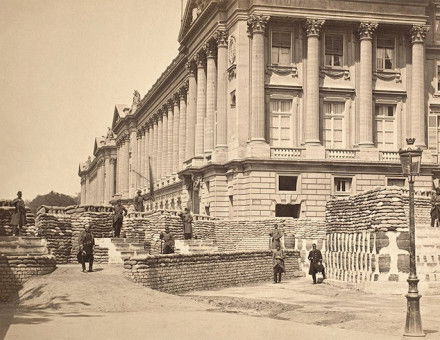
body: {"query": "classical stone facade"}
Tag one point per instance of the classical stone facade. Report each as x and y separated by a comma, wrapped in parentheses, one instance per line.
(272, 107)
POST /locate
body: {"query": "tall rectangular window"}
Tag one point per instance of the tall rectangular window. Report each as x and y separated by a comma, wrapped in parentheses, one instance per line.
(385, 121)
(334, 49)
(434, 133)
(281, 122)
(385, 53)
(333, 125)
(281, 48)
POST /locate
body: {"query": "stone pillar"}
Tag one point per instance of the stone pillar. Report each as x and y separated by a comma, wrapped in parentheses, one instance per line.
(201, 104)
(107, 181)
(191, 111)
(182, 126)
(154, 143)
(222, 63)
(133, 163)
(141, 158)
(257, 26)
(83, 191)
(165, 146)
(366, 32)
(111, 179)
(125, 167)
(147, 154)
(170, 106)
(159, 150)
(176, 133)
(87, 186)
(313, 29)
(418, 35)
(118, 167)
(211, 96)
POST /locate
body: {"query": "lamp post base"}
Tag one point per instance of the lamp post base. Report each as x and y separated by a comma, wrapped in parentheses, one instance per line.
(413, 326)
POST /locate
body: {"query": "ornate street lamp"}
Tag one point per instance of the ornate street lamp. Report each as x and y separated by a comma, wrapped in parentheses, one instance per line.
(411, 158)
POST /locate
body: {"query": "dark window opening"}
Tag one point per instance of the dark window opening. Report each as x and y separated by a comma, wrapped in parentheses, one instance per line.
(287, 210)
(287, 183)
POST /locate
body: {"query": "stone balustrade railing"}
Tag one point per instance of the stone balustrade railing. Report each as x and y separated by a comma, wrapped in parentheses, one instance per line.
(389, 156)
(286, 153)
(45, 209)
(340, 154)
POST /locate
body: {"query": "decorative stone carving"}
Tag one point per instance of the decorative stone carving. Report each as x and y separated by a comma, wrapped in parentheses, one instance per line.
(232, 50)
(418, 33)
(210, 48)
(335, 73)
(110, 134)
(257, 24)
(388, 75)
(232, 72)
(221, 37)
(136, 100)
(367, 29)
(313, 27)
(282, 70)
(183, 90)
(196, 182)
(190, 66)
(200, 59)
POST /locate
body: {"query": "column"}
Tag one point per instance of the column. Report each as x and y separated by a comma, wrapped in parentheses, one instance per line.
(418, 35)
(87, 201)
(366, 32)
(211, 96)
(222, 62)
(201, 103)
(141, 161)
(170, 136)
(257, 26)
(108, 181)
(313, 29)
(154, 153)
(165, 146)
(118, 167)
(176, 132)
(125, 167)
(159, 149)
(147, 153)
(100, 183)
(133, 160)
(83, 191)
(182, 125)
(191, 111)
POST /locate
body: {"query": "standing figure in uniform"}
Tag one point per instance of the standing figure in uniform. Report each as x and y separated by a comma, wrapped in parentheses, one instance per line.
(138, 201)
(276, 235)
(315, 258)
(118, 217)
(435, 208)
(168, 238)
(18, 218)
(278, 264)
(86, 243)
(187, 223)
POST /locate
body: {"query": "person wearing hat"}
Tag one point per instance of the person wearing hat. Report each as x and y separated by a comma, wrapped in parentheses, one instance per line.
(86, 242)
(168, 241)
(18, 218)
(278, 263)
(118, 217)
(276, 236)
(187, 223)
(315, 258)
(138, 201)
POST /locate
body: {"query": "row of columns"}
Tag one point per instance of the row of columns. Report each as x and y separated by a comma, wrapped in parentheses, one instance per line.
(101, 189)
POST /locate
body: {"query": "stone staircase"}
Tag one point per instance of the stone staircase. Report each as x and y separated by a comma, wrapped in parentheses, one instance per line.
(195, 246)
(23, 245)
(120, 248)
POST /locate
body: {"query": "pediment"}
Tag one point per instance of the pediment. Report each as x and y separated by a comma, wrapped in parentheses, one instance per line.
(193, 10)
(119, 113)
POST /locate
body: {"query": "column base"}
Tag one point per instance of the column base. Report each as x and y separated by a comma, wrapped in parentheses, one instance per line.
(220, 154)
(258, 148)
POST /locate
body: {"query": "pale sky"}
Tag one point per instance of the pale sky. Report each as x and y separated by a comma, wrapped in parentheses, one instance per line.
(64, 64)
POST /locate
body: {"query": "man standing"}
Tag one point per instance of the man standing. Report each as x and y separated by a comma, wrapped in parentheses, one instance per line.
(187, 223)
(276, 235)
(315, 258)
(86, 243)
(138, 201)
(278, 264)
(18, 218)
(118, 217)
(168, 238)
(435, 208)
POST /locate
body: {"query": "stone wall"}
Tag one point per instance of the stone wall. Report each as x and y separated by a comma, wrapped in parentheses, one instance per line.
(15, 270)
(177, 273)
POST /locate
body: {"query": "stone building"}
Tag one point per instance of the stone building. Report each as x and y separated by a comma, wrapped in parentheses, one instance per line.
(273, 106)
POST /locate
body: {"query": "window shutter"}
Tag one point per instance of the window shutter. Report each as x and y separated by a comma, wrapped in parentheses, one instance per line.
(432, 133)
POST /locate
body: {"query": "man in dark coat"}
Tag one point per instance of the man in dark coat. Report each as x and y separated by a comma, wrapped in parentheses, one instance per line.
(315, 258)
(118, 217)
(276, 235)
(187, 223)
(18, 218)
(278, 264)
(435, 208)
(168, 238)
(138, 201)
(86, 243)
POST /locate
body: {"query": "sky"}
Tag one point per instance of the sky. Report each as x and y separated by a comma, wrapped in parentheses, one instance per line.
(64, 64)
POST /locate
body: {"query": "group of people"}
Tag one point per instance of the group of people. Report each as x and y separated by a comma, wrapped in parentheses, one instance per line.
(315, 258)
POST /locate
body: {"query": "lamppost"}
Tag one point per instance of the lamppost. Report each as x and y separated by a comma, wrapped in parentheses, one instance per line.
(410, 158)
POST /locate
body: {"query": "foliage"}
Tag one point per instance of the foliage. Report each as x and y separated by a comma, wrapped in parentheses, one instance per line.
(52, 199)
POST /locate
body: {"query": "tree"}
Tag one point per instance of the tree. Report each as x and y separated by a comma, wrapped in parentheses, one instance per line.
(52, 199)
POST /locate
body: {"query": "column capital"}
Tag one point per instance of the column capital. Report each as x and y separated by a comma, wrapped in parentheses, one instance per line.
(165, 110)
(210, 48)
(170, 103)
(221, 37)
(367, 29)
(176, 98)
(200, 58)
(418, 33)
(191, 67)
(313, 27)
(257, 24)
(183, 90)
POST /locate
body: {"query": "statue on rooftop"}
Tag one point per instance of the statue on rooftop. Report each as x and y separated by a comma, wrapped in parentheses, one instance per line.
(136, 100)
(110, 134)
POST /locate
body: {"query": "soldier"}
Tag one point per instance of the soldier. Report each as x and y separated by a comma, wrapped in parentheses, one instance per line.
(138, 201)
(187, 223)
(315, 258)
(276, 235)
(118, 217)
(18, 218)
(278, 264)
(168, 238)
(86, 243)
(435, 207)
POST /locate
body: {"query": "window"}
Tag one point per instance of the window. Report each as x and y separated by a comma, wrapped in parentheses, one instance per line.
(334, 48)
(281, 122)
(287, 210)
(342, 185)
(333, 125)
(287, 183)
(385, 53)
(434, 133)
(281, 48)
(396, 182)
(385, 126)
